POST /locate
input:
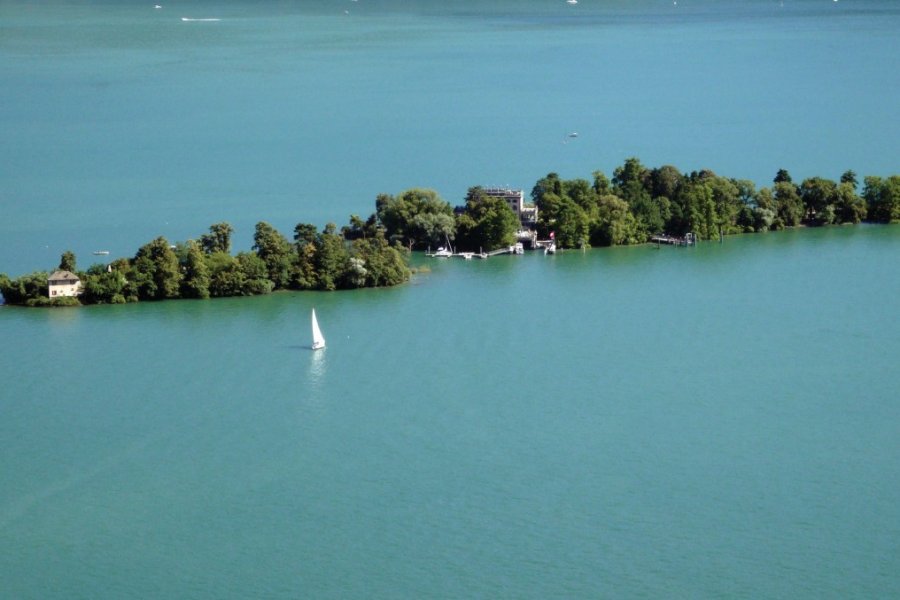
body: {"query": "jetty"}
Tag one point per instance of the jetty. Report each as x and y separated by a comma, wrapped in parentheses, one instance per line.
(517, 248)
(689, 239)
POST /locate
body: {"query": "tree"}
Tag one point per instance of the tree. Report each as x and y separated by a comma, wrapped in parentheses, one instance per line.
(218, 239)
(275, 251)
(384, 264)
(355, 230)
(571, 226)
(788, 204)
(24, 288)
(848, 206)
(782, 176)
(156, 271)
(549, 185)
(602, 185)
(398, 215)
(487, 223)
(631, 172)
(225, 275)
(254, 274)
(103, 285)
(850, 177)
(195, 283)
(331, 259)
(67, 261)
(665, 181)
(615, 225)
(818, 196)
(883, 198)
(432, 229)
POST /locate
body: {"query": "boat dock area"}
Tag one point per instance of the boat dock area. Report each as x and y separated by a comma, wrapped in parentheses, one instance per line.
(689, 239)
(517, 248)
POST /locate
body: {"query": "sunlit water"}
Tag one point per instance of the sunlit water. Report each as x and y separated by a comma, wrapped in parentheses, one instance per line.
(632, 422)
(719, 421)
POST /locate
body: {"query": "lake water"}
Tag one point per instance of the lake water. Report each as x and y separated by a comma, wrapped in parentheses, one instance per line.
(720, 421)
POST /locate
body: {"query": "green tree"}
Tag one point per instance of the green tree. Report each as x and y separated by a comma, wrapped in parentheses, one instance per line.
(218, 239)
(275, 251)
(225, 275)
(818, 196)
(384, 264)
(331, 259)
(304, 274)
(849, 176)
(665, 181)
(254, 275)
(416, 217)
(848, 206)
(782, 176)
(571, 226)
(631, 174)
(196, 280)
(487, 223)
(67, 261)
(883, 198)
(602, 185)
(156, 271)
(25, 288)
(788, 204)
(103, 285)
(615, 224)
(549, 185)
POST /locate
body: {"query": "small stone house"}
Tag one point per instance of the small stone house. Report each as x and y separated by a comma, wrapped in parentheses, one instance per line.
(63, 283)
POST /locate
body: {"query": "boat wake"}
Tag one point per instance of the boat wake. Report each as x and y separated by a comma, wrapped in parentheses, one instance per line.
(188, 20)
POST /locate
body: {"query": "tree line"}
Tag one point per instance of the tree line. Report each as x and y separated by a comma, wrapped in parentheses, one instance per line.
(635, 204)
(205, 268)
(639, 202)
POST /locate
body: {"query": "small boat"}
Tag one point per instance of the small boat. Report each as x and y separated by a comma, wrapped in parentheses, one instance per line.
(444, 251)
(550, 249)
(318, 340)
(101, 252)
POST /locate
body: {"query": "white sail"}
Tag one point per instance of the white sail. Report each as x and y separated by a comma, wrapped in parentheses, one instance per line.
(318, 340)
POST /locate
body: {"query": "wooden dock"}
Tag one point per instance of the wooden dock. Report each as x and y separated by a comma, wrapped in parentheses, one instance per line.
(688, 240)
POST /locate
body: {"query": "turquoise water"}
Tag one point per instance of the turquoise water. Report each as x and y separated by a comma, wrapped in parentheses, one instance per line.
(119, 123)
(632, 422)
(720, 421)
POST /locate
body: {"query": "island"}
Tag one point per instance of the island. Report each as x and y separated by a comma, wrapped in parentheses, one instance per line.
(638, 204)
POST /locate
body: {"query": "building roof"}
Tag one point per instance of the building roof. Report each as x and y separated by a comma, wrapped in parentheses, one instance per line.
(62, 276)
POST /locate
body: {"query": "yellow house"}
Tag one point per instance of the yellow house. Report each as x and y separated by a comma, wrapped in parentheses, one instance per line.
(63, 283)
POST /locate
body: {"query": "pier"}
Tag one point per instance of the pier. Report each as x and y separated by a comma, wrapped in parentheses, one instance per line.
(689, 239)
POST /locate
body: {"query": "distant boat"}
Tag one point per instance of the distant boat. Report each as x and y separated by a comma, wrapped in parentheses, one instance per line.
(551, 249)
(188, 20)
(571, 1)
(574, 134)
(318, 340)
(101, 252)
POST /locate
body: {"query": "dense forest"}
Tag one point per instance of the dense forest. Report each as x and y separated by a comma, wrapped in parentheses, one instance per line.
(635, 204)
(359, 256)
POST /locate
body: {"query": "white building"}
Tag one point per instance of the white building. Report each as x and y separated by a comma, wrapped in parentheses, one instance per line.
(63, 283)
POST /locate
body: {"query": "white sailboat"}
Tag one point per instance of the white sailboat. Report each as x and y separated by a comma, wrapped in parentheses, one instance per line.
(318, 340)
